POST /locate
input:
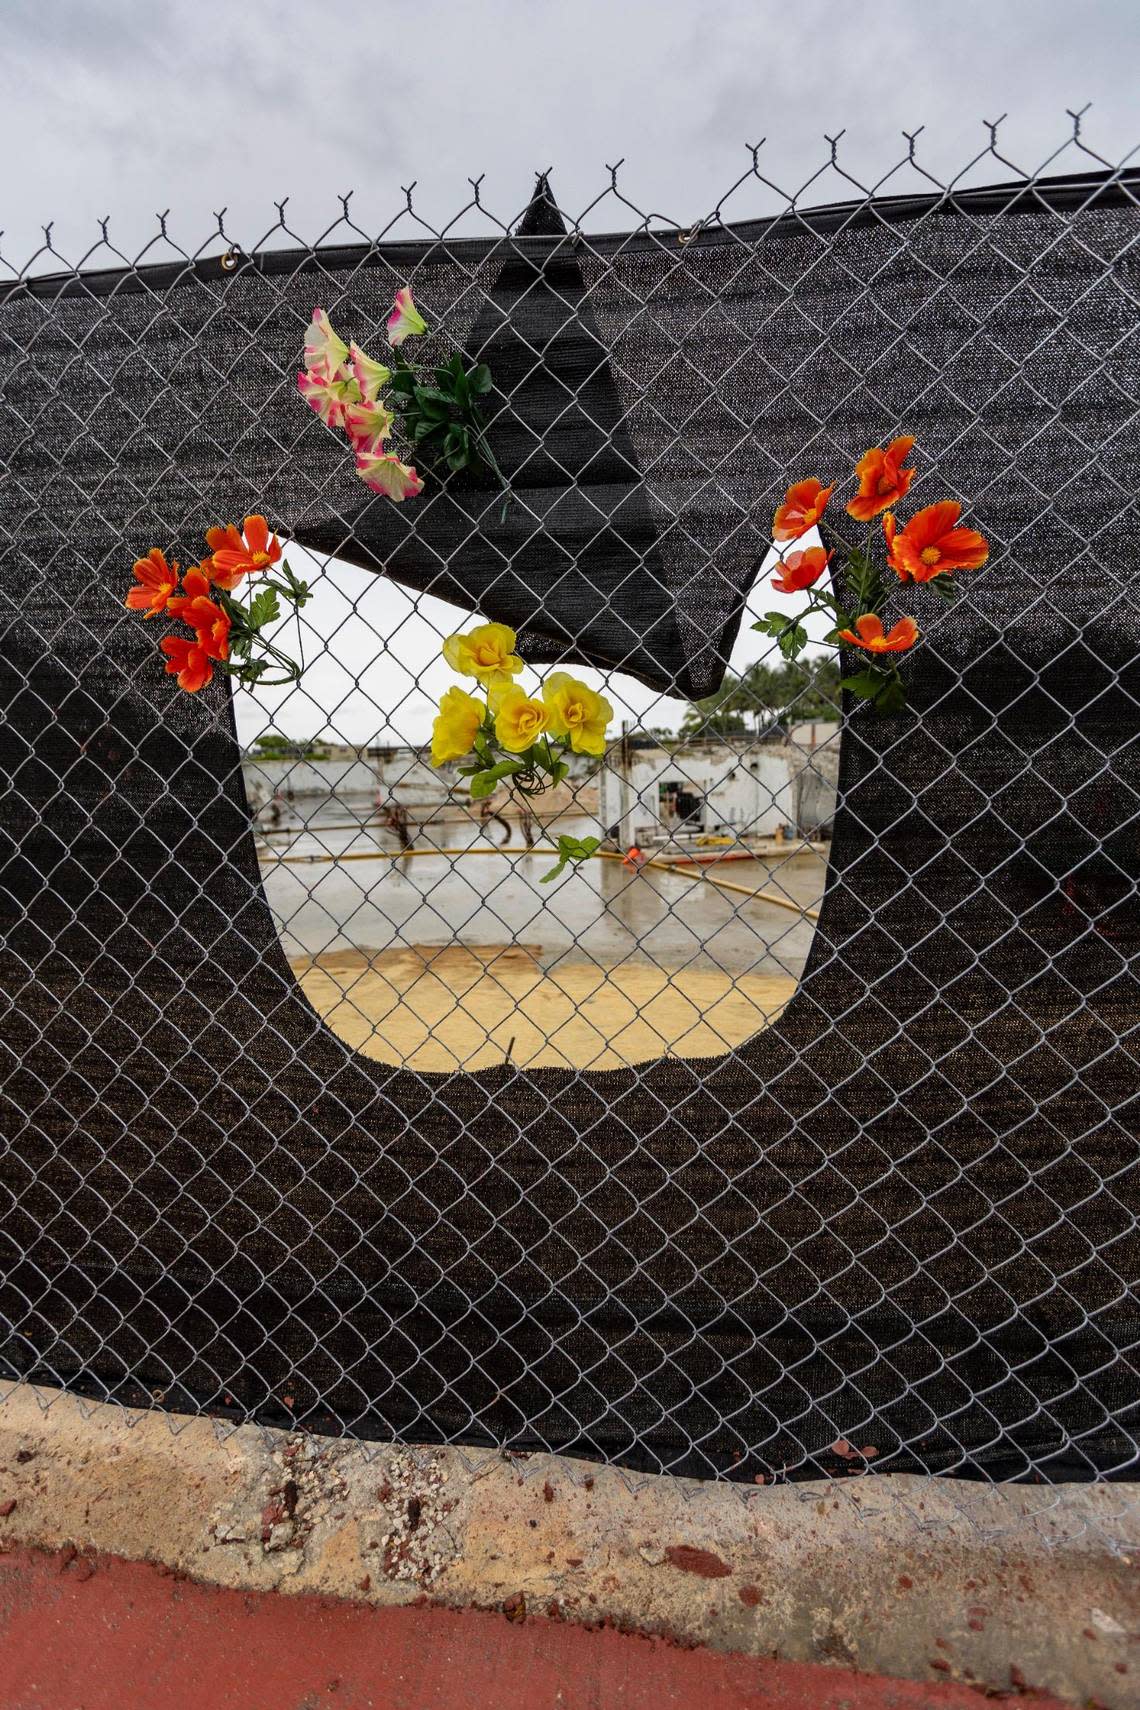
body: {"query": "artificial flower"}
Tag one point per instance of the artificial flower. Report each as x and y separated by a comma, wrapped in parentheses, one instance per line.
(882, 479)
(405, 321)
(369, 375)
(329, 391)
(456, 726)
(486, 652)
(235, 557)
(157, 582)
(577, 712)
(932, 544)
(188, 661)
(801, 570)
(871, 638)
(195, 607)
(323, 349)
(195, 586)
(384, 473)
(368, 426)
(803, 505)
(496, 686)
(890, 529)
(519, 720)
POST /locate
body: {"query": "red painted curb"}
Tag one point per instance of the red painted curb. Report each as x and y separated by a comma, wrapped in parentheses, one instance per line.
(99, 1633)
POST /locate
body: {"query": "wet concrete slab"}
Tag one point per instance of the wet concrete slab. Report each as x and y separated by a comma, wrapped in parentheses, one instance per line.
(334, 889)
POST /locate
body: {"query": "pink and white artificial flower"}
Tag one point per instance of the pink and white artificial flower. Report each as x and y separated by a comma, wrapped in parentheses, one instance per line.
(405, 321)
(370, 375)
(367, 425)
(384, 473)
(327, 391)
(323, 349)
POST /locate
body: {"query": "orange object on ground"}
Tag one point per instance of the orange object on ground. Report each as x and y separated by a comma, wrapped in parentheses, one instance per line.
(100, 1633)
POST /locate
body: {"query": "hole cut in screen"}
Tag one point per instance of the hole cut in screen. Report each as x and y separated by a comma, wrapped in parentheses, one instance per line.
(416, 921)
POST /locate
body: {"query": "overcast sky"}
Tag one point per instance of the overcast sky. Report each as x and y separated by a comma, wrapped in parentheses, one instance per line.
(129, 107)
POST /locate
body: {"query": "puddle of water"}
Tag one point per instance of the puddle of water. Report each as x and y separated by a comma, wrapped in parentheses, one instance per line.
(600, 912)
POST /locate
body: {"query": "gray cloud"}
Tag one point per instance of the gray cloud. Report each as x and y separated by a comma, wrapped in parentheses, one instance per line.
(127, 108)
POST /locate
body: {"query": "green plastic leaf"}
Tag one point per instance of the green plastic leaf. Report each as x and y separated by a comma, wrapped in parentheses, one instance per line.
(891, 697)
(263, 608)
(865, 685)
(863, 579)
(483, 784)
(772, 623)
(883, 689)
(571, 849)
(433, 404)
(479, 380)
(793, 641)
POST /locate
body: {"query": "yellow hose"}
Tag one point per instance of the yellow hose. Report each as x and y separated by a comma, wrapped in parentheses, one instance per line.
(599, 855)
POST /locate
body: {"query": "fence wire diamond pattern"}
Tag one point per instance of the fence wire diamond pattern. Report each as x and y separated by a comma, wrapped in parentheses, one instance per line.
(298, 1128)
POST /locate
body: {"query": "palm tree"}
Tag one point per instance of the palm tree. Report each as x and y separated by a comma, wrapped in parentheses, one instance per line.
(718, 715)
(800, 689)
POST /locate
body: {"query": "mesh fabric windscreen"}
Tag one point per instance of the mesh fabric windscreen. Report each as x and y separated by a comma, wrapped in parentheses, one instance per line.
(904, 1214)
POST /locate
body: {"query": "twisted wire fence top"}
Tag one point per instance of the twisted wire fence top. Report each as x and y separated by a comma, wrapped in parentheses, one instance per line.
(893, 1205)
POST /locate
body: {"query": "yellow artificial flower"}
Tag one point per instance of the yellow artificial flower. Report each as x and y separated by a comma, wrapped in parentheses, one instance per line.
(496, 687)
(484, 652)
(454, 731)
(519, 721)
(578, 712)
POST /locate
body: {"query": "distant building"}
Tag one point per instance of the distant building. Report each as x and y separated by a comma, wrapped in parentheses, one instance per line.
(781, 781)
(362, 777)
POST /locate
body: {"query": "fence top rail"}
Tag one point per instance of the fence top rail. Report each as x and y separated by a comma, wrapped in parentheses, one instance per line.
(1060, 194)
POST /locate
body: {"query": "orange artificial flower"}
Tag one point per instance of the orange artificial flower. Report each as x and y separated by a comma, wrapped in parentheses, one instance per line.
(800, 570)
(157, 582)
(882, 479)
(234, 557)
(871, 638)
(890, 529)
(801, 510)
(195, 607)
(933, 544)
(188, 661)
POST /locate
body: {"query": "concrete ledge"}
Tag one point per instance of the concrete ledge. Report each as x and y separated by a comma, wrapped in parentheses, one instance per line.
(935, 1580)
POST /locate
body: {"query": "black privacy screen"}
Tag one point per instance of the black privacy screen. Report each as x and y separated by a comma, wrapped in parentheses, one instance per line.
(905, 1213)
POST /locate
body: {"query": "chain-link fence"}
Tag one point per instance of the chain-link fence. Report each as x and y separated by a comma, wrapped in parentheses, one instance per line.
(803, 1139)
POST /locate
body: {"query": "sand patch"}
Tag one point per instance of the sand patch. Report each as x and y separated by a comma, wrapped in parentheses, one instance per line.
(456, 1007)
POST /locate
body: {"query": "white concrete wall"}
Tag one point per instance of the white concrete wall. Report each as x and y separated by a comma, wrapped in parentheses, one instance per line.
(344, 779)
(755, 789)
